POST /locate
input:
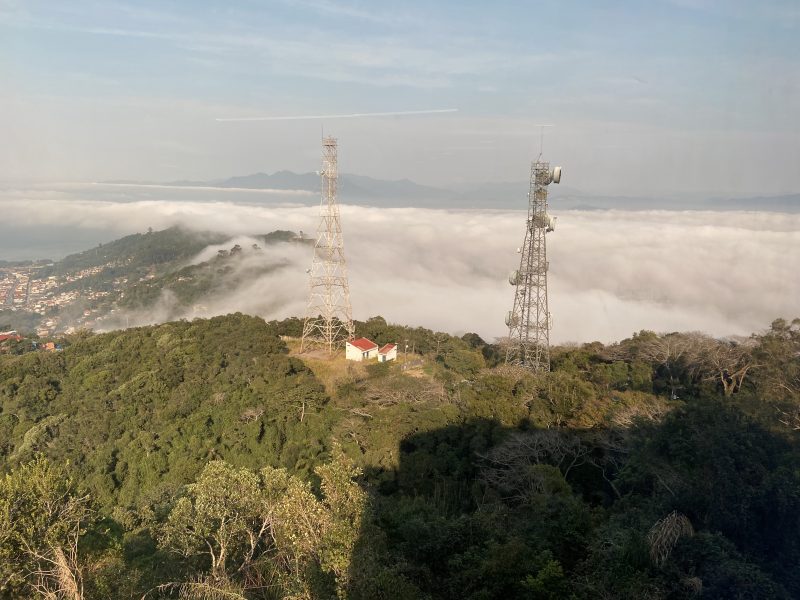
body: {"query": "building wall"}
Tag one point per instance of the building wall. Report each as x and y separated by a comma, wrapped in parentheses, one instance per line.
(391, 355)
(353, 353)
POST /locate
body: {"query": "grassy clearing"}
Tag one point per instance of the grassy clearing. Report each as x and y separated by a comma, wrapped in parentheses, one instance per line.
(331, 371)
(334, 371)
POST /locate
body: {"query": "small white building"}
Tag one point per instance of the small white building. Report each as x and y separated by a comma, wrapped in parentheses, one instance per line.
(361, 349)
(387, 353)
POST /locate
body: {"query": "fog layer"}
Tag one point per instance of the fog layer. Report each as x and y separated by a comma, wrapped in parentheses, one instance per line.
(611, 272)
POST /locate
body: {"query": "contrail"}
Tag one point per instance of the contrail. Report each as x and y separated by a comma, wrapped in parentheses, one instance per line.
(351, 116)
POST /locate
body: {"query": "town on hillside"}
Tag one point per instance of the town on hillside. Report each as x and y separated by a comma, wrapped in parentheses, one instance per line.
(36, 291)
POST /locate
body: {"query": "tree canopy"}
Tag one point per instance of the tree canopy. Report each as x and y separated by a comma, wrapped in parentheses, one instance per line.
(207, 459)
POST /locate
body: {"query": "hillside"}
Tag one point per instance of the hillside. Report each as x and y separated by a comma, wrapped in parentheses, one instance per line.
(662, 467)
(160, 250)
(143, 249)
(92, 288)
(219, 276)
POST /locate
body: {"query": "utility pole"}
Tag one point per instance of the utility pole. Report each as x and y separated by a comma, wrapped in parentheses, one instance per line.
(529, 320)
(329, 316)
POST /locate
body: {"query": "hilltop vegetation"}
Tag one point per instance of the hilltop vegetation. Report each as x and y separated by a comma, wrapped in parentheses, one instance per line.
(155, 253)
(143, 250)
(205, 459)
(139, 274)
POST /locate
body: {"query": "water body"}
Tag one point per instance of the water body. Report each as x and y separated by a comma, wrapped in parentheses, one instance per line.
(51, 221)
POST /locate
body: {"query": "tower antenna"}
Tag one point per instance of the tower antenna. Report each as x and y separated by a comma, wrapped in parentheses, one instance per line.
(329, 316)
(529, 320)
(541, 135)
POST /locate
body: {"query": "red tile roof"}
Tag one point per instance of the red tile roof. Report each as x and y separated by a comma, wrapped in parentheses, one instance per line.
(387, 348)
(5, 337)
(363, 344)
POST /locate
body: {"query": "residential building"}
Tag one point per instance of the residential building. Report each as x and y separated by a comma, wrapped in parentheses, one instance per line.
(387, 353)
(361, 349)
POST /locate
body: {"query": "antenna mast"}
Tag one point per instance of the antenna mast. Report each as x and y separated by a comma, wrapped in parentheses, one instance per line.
(329, 317)
(529, 320)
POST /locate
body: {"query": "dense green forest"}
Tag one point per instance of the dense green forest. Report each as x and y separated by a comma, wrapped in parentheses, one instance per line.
(154, 250)
(162, 257)
(142, 250)
(207, 459)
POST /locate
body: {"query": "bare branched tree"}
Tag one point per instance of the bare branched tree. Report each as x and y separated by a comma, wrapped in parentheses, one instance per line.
(789, 418)
(508, 467)
(726, 362)
(59, 575)
(389, 392)
(665, 533)
(778, 353)
(677, 353)
(699, 357)
(647, 409)
(42, 517)
(204, 587)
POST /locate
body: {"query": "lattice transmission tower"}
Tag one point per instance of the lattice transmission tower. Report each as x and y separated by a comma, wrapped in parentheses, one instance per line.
(529, 320)
(329, 317)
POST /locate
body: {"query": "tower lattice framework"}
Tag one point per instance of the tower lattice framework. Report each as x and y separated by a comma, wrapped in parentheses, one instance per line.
(329, 317)
(529, 320)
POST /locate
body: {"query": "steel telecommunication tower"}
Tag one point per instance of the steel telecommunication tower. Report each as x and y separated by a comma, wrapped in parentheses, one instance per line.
(529, 321)
(329, 317)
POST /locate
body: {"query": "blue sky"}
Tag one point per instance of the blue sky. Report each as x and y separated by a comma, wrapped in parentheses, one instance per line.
(660, 97)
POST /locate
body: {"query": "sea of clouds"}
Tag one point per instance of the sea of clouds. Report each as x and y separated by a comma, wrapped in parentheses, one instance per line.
(611, 272)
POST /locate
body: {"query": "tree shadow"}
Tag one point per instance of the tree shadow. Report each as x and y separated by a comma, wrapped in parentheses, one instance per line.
(482, 510)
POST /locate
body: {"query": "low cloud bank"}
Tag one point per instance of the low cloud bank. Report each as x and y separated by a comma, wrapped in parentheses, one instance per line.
(263, 281)
(611, 272)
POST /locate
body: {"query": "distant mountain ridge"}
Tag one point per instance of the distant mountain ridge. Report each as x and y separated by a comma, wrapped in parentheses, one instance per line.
(369, 191)
(353, 186)
(280, 180)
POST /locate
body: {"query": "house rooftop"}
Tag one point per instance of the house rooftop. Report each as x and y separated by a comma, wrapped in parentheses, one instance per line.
(387, 348)
(363, 344)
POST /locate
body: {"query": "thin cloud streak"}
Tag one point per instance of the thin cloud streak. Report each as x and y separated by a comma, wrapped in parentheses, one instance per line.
(400, 113)
(346, 11)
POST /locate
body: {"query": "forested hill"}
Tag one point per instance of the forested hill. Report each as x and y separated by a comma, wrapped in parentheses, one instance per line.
(154, 248)
(143, 249)
(132, 279)
(210, 459)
